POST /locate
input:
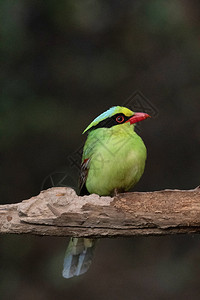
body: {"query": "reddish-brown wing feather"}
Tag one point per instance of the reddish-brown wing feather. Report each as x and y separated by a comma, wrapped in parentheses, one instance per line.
(83, 177)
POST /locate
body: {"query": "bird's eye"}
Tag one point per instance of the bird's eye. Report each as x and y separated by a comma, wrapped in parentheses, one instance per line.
(120, 119)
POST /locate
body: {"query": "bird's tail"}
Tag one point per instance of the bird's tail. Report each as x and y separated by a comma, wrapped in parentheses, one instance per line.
(78, 256)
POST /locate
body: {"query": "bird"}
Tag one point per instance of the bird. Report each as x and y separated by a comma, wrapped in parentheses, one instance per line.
(113, 161)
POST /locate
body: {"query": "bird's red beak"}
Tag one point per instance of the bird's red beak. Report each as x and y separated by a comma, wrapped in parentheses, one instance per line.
(138, 117)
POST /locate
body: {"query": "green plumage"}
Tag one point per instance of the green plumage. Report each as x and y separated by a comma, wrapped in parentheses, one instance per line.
(113, 161)
(117, 159)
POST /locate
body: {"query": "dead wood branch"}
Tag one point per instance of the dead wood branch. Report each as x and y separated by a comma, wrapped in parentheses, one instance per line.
(60, 212)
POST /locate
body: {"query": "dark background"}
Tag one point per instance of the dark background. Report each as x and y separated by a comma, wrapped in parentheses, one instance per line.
(62, 63)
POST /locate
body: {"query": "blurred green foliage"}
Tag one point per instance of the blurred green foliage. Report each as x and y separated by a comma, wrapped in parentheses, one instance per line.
(61, 64)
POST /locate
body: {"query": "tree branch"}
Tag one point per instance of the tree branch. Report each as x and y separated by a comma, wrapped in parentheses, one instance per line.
(60, 212)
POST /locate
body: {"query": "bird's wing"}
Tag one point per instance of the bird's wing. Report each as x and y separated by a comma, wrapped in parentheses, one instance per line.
(83, 177)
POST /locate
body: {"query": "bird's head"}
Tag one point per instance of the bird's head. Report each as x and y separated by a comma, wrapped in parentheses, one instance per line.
(116, 115)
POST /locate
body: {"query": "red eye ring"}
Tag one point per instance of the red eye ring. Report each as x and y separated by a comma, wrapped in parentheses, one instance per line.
(120, 119)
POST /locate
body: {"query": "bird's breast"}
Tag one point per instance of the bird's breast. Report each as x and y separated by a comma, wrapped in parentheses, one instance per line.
(117, 162)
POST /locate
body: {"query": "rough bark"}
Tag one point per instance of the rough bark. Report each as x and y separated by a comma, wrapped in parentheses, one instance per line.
(60, 212)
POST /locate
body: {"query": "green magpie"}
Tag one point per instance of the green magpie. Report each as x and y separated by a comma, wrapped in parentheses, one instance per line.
(113, 161)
